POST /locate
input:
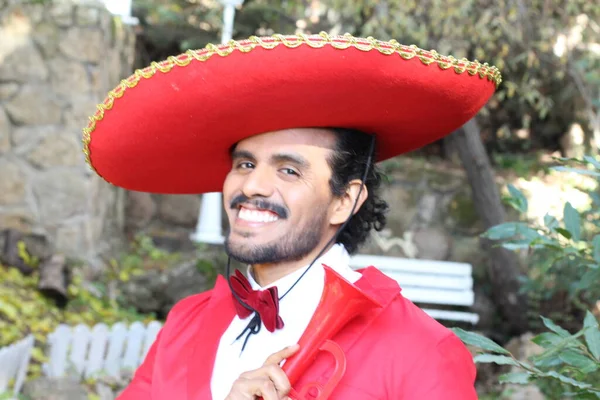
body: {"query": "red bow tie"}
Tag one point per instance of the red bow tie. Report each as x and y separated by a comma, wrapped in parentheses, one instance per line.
(265, 302)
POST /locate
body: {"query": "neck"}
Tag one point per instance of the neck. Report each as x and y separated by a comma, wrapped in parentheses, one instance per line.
(266, 274)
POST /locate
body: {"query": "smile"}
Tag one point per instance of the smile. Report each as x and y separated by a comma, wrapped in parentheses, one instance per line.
(256, 215)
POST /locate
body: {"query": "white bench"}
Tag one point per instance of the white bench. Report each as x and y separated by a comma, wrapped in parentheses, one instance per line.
(428, 282)
(99, 351)
(14, 362)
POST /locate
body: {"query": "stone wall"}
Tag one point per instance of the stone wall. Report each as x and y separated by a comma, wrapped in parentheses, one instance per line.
(57, 61)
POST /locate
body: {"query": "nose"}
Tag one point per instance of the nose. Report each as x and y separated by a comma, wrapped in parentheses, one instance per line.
(258, 183)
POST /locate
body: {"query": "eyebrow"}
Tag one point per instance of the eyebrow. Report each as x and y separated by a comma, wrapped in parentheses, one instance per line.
(276, 158)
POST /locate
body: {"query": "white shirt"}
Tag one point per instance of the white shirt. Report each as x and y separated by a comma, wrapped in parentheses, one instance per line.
(296, 309)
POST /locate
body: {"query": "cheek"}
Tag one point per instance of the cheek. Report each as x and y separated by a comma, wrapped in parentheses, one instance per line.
(229, 186)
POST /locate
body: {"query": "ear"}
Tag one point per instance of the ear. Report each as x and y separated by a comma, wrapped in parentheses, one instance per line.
(343, 204)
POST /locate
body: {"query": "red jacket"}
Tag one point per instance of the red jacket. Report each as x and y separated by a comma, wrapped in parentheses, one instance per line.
(396, 353)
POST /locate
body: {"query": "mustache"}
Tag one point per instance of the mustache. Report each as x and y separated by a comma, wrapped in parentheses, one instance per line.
(263, 204)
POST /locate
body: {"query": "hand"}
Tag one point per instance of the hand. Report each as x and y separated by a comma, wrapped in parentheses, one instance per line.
(268, 381)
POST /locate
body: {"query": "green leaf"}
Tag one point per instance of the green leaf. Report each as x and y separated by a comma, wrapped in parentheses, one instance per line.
(519, 378)
(572, 221)
(596, 248)
(503, 231)
(592, 334)
(578, 360)
(555, 328)
(550, 221)
(592, 161)
(566, 379)
(576, 170)
(546, 339)
(564, 232)
(519, 200)
(496, 359)
(476, 340)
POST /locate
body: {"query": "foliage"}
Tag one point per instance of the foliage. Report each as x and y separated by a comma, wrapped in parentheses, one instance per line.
(24, 309)
(547, 51)
(569, 364)
(567, 265)
(563, 255)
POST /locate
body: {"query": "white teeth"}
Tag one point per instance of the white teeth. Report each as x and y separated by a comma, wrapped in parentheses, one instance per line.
(256, 216)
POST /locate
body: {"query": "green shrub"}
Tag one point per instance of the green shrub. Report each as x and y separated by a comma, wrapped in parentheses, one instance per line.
(564, 264)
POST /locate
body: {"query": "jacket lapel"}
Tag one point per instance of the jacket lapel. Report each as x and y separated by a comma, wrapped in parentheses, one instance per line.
(215, 320)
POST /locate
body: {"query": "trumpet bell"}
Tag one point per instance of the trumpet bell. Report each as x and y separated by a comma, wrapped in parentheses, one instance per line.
(340, 303)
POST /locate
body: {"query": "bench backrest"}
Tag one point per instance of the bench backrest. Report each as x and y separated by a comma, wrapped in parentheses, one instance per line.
(425, 281)
(101, 350)
(14, 361)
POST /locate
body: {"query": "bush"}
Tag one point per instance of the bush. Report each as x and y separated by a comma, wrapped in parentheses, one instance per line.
(25, 310)
(565, 264)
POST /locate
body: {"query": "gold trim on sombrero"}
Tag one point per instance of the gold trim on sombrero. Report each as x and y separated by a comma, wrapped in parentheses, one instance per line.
(291, 41)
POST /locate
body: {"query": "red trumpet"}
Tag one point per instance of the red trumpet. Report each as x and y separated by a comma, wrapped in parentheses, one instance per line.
(340, 303)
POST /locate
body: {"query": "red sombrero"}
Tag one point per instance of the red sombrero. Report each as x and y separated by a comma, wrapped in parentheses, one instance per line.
(168, 128)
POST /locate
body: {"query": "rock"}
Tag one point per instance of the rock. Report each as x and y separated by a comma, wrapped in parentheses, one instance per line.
(70, 238)
(87, 16)
(81, 108)
(54, 389)
(427, 209)
(20, 219)
(27, 138)
(402, 212)
(53, 278)
(12, 183)
(61, 13)
(68, 77)
(46, 36)
(158, 291)
(432, 243)
(56, 150)
(8, 90)
(5, 129)
(461, 213)
(37, 246)
(180, 209)
(34, 105)
(24, 63)
(83, 44)
(140, 210)
(184, 280)
(60, 194)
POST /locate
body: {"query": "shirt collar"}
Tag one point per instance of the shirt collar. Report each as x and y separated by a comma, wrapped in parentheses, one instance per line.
(337, 258)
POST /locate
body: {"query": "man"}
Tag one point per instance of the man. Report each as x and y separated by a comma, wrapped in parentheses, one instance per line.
(289, 129)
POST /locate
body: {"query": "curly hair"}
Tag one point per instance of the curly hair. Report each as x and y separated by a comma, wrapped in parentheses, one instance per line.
(348, 162)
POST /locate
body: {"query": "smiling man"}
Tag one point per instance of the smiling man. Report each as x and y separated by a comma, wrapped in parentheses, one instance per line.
(290, 129)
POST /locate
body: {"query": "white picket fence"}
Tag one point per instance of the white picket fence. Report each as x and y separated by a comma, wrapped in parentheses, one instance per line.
(14, 361)
(99, 351)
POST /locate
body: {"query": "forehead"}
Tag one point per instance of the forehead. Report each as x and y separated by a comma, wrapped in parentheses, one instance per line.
(291, 139)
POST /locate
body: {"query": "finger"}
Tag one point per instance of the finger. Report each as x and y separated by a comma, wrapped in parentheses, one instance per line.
(274, 374)
(281, 355)
(266, 389)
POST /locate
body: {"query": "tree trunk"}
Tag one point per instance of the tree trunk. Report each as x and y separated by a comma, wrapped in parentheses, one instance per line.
(503, 266)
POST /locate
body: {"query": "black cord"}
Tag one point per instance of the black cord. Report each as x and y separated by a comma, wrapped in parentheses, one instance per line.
(254, 325)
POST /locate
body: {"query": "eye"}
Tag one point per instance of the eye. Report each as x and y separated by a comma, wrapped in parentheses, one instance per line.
(245, 165)
(289, 171)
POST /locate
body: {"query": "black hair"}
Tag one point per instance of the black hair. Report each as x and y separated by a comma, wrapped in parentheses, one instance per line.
(348, 162)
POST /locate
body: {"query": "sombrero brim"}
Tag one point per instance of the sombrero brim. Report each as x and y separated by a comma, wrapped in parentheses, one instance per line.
(168, 128)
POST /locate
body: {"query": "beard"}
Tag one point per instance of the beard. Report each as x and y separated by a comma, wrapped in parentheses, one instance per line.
(293, 246)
